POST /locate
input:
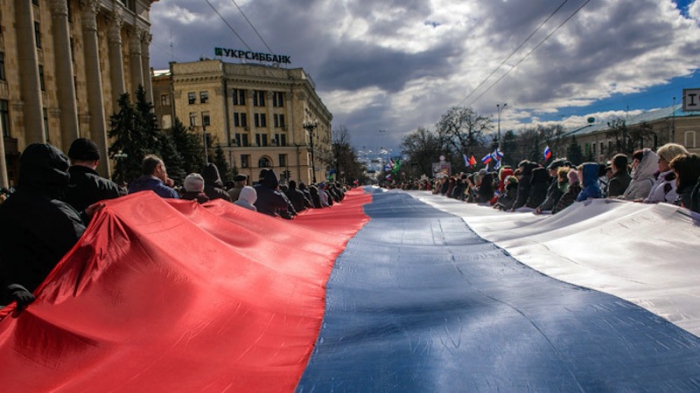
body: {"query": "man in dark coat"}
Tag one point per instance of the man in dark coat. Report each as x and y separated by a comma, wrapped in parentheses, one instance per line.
(86, 185)
(36, 227)
(539, 184)
(297, 197)
(620, 179)
(553, 192)
(524, 183)
(213, 186)
(270, 201)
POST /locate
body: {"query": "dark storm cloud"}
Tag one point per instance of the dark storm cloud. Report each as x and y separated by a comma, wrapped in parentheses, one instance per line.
(399, 64)
(356, 66)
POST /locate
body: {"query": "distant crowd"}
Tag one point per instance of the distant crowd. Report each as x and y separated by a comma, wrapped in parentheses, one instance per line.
(669, 175)
(56, 196)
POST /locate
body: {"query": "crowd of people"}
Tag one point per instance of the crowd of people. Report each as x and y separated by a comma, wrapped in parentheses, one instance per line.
(670, 175)
(56, 196)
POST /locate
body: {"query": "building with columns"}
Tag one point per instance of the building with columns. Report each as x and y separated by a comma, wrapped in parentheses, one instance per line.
(255, 112)
(63, 65)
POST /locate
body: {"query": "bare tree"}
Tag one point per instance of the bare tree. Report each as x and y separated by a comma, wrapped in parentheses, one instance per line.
(463, 128)
(422, 147)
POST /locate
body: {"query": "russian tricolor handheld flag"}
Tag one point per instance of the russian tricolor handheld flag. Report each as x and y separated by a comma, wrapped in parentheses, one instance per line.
(547, 154)
(385, 291)
(487, 159)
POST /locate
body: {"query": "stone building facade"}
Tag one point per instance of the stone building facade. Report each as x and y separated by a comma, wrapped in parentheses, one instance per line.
(255, 112)
(63, 65)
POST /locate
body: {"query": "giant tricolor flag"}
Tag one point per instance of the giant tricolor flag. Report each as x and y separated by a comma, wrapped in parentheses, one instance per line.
(382, 292)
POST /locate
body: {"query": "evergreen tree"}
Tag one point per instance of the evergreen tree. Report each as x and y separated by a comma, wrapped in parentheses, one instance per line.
(190, 147)
(148, 122)
(171, 158)
(536, 154)
(574, 152)
(128, 143)
(220, 161)
(509, 147)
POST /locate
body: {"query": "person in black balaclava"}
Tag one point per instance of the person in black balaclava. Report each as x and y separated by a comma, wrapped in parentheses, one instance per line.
(36, 227)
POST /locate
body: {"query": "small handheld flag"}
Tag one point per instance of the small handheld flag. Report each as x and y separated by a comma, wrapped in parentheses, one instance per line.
(547, 153)
(466, 160)
(472, 161)
(487, 158)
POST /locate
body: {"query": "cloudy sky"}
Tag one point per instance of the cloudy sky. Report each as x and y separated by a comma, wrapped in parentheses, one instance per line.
(396, 65)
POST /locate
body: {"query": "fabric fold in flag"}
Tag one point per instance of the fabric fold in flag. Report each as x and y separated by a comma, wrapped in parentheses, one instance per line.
(171, 296)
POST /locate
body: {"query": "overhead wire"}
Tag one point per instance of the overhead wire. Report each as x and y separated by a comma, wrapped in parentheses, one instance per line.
(513, 52)
(229, 26)
(253, 27)
(529, 53)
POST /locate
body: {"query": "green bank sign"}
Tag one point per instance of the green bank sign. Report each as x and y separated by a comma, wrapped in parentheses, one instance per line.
(255, 56)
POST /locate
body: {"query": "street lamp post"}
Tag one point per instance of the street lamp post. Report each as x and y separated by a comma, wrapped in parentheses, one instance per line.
(206, 152)
(673, 121)
(500, 108)
(310, 127)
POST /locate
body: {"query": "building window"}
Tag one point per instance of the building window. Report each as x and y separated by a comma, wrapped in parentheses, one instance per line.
(610, 147)
(602, 148)
(193, 119)
(203, 97)
(35, 2)
(37, 34)
(593, 146)
(192, 97)
(241, 140)
(260, 120)
(72, 50)
(264, 162)
(5, 117)
(2, 66)
(206, 120)
(280, 139)
(283, 159)
(690, 139)
(261, 139)
(278, 99)
(279, 120)
(165, 99)
(245, 160)
(238, 97)
(240, 119)
(258, 98)
(41, 78)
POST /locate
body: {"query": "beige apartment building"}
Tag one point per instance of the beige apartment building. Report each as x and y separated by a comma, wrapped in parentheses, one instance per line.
(660, 126)
(63, 64)
(257, 113)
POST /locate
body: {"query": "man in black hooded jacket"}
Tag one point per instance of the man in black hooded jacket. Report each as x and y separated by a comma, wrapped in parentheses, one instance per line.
(270, 201)
(213, 186)
(36, 227)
